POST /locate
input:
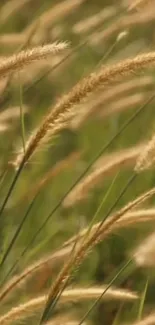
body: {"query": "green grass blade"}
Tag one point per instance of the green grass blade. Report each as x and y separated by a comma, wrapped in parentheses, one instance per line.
(18, 230)
(103, 149)
(142, 301)
(21, 113)
(108, 286)
(105, 197)
(124, 126)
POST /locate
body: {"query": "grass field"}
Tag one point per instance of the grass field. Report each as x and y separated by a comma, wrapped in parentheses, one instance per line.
(77, 216)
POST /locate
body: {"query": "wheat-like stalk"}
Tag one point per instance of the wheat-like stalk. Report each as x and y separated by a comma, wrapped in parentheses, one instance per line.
(122, 24)
(79, 294)
(85, 25)
(52, 15)
(111, 224)
(58, 11)
(129, 219)
(12, 113)
(12, 40)
(84, 248)
(101, 100)
(104, 168)
(144, 254)
(18, 61)
(20, 39)
(122, 105)
(34, 71)
(104, 86)
(147, 158)
(48, 176)
(18, 280)
(60, 115)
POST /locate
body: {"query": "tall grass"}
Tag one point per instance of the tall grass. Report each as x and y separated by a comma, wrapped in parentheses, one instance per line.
(77, 162)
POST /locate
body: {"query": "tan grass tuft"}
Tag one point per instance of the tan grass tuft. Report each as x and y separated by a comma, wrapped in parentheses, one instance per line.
(127, 219)
(11, 113)
(145, 254)
(26, 309)
(49, 175)
(131, 218)
(11, 40)
(120, 24)
(52, 15)
(58, 11)
(89, 23)
(101, 100)
(63, 111)
(104, 168)
(147, 158)
(23, 58)
(87, 244)
(19, 280)
(124, 104)
(94, 292)
(34, 71)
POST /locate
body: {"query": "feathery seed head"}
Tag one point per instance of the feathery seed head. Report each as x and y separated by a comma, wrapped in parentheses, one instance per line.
(147, 158)
(18, 61)
(145, 254)
(61, 114)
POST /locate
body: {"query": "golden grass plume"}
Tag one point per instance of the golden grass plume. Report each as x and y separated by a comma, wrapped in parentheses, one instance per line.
(29, 308)
(147, 158)
(87, 24)
(61, 114)
(103, 99)
(18, 61)
(84, 248)
(105, 167)
(128, 219)
(145, 253)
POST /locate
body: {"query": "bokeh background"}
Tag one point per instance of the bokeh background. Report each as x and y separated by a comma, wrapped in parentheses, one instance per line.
(99, 32)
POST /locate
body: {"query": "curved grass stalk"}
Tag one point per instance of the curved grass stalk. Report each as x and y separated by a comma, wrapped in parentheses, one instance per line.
(135, 115)
(61, 114)
(72, 295)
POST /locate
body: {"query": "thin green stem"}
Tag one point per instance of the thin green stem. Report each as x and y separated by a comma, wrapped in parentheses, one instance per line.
(108, 286)
(100, 205)
(142, 301)
(50, 303)
(21, 112)
(124, 126)
(11, 188)
(18, 230)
